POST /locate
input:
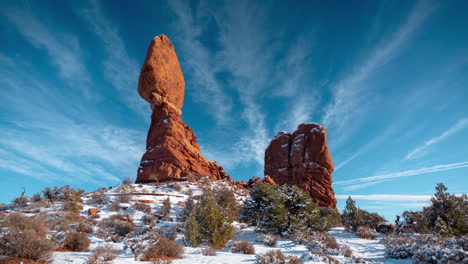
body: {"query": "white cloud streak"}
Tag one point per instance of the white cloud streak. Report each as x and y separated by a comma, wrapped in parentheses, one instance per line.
(63, 49)
(349, 94)
(366, 181)
(386, 197)
(419, 150)
(119, 68)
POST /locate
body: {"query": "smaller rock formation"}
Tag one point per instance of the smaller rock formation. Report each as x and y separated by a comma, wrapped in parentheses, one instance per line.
(302, 158)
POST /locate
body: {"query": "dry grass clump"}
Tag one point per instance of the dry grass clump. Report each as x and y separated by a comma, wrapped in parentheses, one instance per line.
(142, 207)
(347, 252)
(243, 247)
(124, 198)
(114, 206)
(76, 241)
(276, 256)
(148, 219)
(164, 248)
(208, 251)
(103, 253)
(84, 228)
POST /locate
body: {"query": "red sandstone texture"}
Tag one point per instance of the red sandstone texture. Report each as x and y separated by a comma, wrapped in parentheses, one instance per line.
(302, 158)
(172, 152)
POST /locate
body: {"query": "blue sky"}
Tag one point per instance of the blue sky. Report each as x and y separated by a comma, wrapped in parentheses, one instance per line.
(388, 79)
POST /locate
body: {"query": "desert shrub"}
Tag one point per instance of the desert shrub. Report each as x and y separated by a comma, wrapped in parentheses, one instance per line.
(276, 257)
(243, 247)
(166, 206)
(114, 229)
(281, 210)
(84, 228)
(72, 206)
(323, 243)
(27, 245)
(322, 258)
(103, 253)
(127, 181)
(114, 206)
(20, 201)
(347, 252)
(147, 219)
(142, 207)
(164, 248)
(332, 216)
(19, 223)
(36, 198)
(98, 198)
(208, 251)
(371, 220)
(76, 241)
(64, 193)
(208, 224)
(124, 198)
(268, 239)
(367, 233)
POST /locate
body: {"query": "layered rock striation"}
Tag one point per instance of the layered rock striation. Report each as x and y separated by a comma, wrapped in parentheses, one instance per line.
(172, 152)
(302, 158)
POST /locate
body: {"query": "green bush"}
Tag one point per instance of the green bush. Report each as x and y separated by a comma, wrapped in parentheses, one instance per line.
(208, 223)
(281, 210)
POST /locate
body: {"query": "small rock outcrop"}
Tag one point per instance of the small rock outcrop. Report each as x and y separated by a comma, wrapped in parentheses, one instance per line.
(302, 158)
(172, 152)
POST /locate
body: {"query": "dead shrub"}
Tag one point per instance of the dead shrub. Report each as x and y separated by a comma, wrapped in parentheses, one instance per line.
(84, 228)
(72, 206)
(147, 219)
(76, 241)
(208, 251)
(19, 222)
(114, 230)
(124, 198)
(347, 252)
(162, 261)
(98, 198)
(27, 245)
(142, 207)
(164, 248)
(276, 256)
(243, 247)
(103, 253)
(20, 201)
(114, 206)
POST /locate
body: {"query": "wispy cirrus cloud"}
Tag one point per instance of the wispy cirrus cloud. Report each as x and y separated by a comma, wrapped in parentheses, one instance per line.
(349, 93)
(386, 197)
(62, 48)
(419, 150)
(366, 181)
(119, 68)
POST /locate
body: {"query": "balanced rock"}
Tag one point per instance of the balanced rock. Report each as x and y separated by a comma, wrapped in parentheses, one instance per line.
(172, 152)
(302, 158)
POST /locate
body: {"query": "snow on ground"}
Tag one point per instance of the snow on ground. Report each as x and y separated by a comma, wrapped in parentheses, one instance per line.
(370, 249)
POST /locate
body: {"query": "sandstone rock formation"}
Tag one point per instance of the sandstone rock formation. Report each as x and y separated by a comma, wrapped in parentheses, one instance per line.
(302, 158)
(172, 151)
